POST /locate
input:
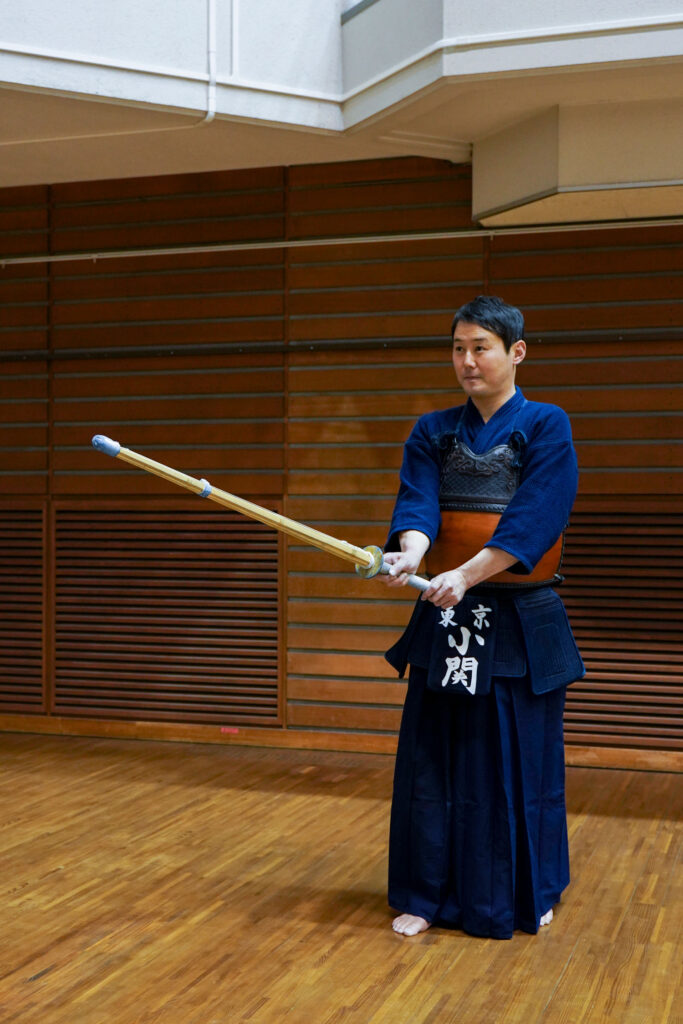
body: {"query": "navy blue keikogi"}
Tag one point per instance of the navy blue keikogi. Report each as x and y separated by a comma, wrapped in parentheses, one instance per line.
(478, 828)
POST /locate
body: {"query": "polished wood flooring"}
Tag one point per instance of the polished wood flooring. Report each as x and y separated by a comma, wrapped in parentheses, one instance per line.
(189, 884)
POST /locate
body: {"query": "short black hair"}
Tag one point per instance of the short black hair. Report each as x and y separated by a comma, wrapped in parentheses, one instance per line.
(494, 315)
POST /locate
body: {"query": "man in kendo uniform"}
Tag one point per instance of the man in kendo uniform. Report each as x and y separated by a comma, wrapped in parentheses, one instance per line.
(478, 826)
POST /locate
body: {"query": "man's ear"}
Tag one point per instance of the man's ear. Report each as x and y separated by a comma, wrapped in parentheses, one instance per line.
(518, 352)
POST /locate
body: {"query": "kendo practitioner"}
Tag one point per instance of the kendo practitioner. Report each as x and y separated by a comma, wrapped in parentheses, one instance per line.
(478, 837)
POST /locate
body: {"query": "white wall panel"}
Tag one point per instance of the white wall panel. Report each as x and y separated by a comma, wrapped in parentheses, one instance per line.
(492, 16)
(166, 33)
(297, 43)
(387, 33)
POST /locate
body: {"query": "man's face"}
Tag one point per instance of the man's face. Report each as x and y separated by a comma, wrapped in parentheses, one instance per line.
(483, 368)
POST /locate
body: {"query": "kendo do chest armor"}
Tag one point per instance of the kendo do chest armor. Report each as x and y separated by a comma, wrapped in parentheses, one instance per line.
(474, 492)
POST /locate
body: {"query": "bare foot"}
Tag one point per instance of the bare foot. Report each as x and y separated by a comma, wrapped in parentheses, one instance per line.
(547, 918)
(408, 924)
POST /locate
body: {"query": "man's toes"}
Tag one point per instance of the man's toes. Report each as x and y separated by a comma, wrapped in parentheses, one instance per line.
(409, 924)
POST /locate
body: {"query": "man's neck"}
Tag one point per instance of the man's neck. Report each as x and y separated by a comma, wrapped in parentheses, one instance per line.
(488, 407)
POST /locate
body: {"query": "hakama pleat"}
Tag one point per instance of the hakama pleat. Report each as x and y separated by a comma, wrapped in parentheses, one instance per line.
(478, 826)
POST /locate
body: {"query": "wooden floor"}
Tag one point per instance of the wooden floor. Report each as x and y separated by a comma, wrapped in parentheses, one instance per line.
(146, 882)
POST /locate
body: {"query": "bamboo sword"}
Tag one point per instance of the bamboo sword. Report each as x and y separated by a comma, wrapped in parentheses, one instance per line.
(368, 561)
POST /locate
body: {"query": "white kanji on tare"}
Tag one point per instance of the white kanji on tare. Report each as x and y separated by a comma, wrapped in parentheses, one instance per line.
(447, 615)
(461, 647)
(460, 668)
(457, 670)
(480, 614)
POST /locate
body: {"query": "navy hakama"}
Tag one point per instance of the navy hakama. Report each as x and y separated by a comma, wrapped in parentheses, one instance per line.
(478, 824)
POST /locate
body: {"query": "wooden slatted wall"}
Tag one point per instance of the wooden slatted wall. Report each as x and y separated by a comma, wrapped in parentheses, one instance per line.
(605, 312)
(166, 614)
(180, 358)
(24, 306)
(624, 594)
(369, 354)
(22, 545)
(296, 375)
(177, 356)
(24, 411)
(362, 321)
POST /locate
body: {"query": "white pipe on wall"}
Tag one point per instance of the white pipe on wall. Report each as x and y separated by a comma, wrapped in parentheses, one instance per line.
(211, 61)
(210, 77)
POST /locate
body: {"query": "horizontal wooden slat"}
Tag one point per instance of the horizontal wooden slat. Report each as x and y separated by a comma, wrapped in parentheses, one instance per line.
(464, 261)
(184, 436)
(69, 288)
(262, 486)
(601, 261)
(333, 301)
(346, 690)
(316, 509)
(255, 459)
(166, 382)
(577, 242)
(146, 335)
(378, 194)
(248, 228)
(117, 190)
(161, 209)
(339, 663)
(164, 308)
(358, 171)
(350, 587)
(331, 716)
(18, 340)
(392, 614)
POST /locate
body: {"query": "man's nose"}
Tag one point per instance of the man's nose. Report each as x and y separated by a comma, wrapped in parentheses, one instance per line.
(469, 359)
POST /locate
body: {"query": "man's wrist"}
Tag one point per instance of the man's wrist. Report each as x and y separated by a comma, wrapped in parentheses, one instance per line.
(413, 542)
(463, 573)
